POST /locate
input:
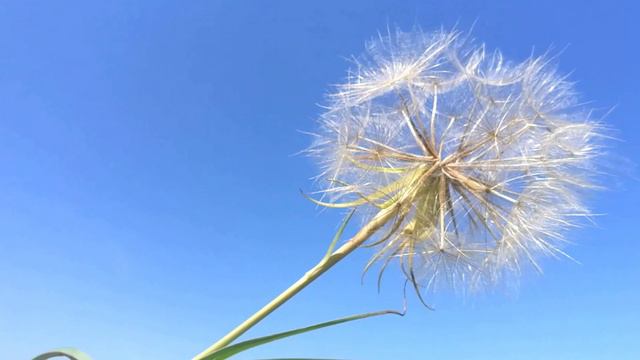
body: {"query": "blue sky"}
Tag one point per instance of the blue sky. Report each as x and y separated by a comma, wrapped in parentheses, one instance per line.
(149, 193)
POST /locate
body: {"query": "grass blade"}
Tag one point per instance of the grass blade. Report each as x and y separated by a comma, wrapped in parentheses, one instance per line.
(231, 350)
(338, 234)
(70, 353)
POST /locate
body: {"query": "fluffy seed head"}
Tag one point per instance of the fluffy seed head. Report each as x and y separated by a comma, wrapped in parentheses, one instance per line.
(484, 159)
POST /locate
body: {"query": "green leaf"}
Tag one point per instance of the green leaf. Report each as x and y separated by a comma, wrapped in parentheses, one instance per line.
(231, 350)
(70, 353)
(338, 234)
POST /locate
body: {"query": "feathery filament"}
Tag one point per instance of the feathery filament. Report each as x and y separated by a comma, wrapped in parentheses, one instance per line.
(484, 160)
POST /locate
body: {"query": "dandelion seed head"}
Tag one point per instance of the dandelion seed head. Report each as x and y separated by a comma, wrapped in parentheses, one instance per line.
(485, 160)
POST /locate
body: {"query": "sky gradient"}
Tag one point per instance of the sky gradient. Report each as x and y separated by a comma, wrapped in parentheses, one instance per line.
(149, 182)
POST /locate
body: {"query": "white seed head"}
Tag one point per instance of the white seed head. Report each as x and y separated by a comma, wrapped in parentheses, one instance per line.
(485, 160)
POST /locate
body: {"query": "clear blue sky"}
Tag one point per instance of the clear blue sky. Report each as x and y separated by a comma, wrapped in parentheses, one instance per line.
(149, 197)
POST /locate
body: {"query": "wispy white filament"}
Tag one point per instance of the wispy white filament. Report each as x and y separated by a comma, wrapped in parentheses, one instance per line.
(485, 159)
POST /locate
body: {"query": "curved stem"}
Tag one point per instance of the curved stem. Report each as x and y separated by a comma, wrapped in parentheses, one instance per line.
(325, 264)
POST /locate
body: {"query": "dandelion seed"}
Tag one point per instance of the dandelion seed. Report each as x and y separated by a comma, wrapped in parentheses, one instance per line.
(465, 167)
(483, 161)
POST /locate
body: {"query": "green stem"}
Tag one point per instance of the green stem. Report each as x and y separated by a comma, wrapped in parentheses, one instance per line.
(325, 264)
